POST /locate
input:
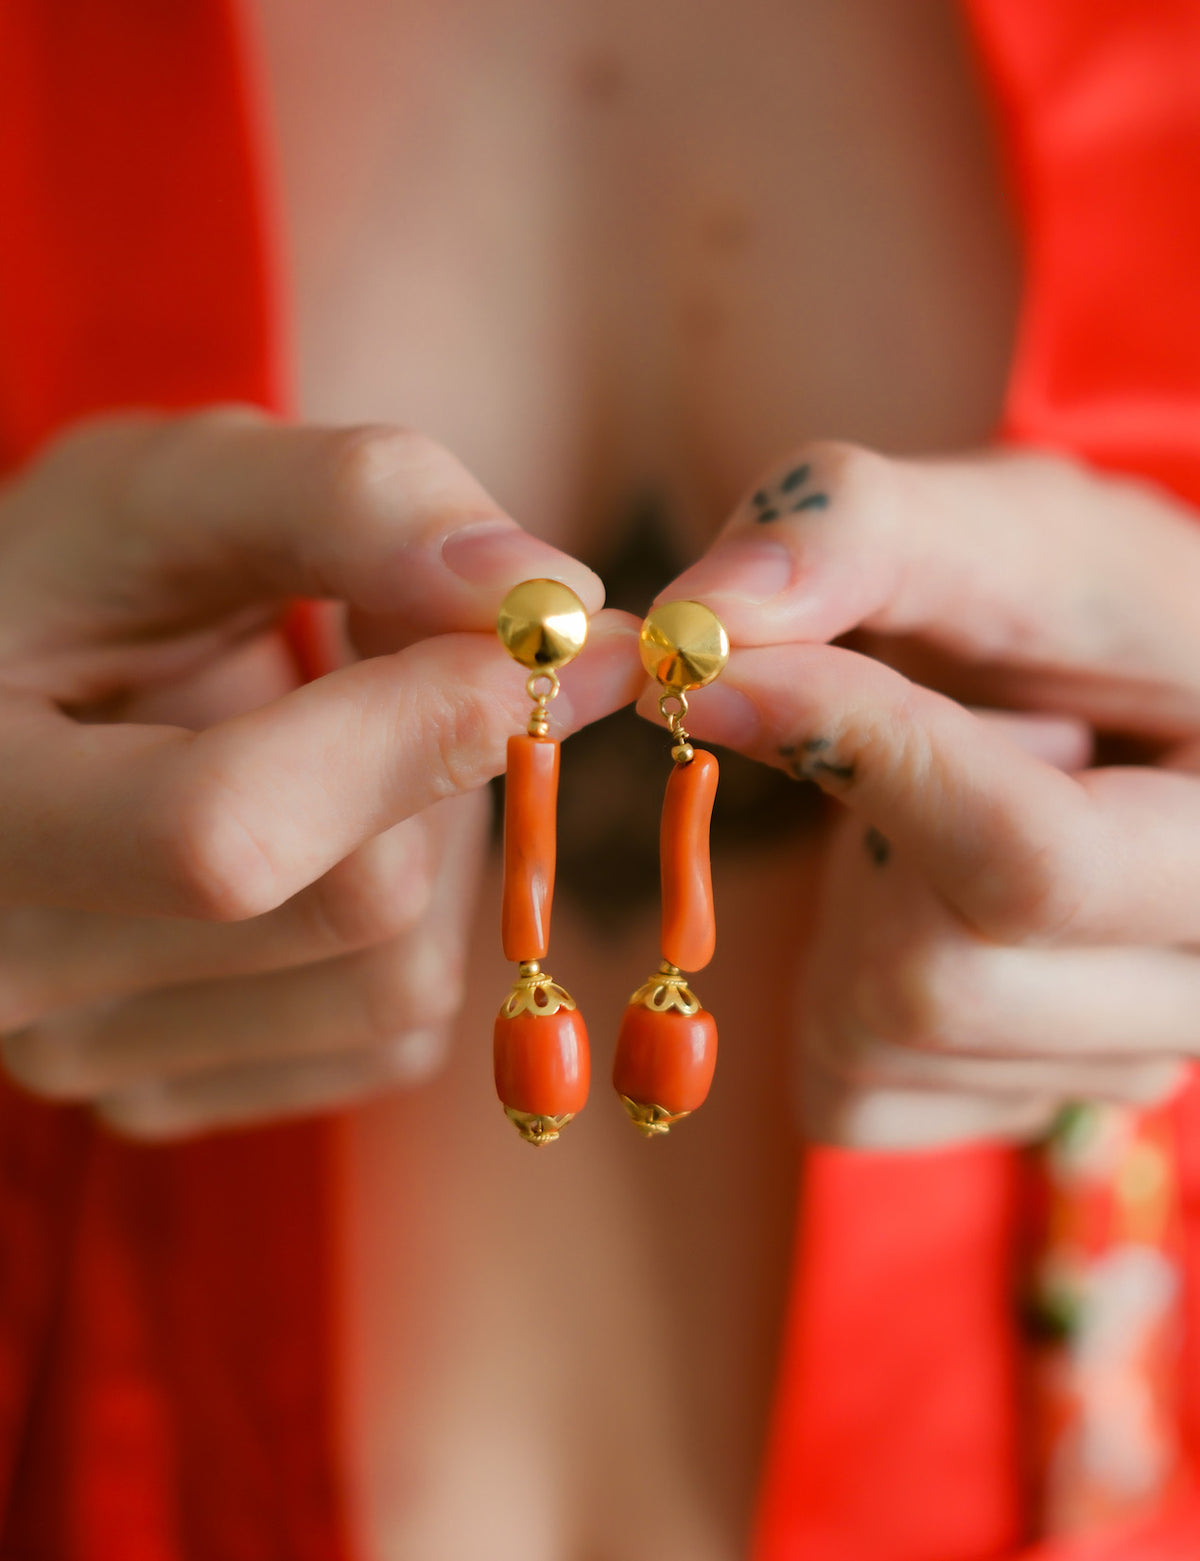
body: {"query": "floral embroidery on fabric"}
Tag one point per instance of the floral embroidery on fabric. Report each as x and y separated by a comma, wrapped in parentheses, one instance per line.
(1105, 1308)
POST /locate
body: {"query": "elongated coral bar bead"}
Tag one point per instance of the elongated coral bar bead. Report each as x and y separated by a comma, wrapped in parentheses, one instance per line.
(530, 798)
(689, 925)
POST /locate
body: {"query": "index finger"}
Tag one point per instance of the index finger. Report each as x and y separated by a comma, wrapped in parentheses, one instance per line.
(229, 822)
(1023, 851)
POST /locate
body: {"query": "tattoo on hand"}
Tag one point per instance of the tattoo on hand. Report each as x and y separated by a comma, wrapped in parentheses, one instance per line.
(807, 761)
(878, 847)
(769, 503)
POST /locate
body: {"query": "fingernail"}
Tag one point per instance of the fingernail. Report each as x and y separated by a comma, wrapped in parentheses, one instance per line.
(499, 554)
(722, 714)
(744, 569)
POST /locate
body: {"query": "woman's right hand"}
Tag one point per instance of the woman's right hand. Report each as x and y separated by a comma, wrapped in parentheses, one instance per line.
(225, 897)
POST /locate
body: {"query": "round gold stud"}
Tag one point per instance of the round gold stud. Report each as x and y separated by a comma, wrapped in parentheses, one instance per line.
(684, 645)
(542, 624)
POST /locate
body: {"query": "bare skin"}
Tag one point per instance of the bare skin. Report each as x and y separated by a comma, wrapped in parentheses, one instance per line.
(737, 232)
(714, 210)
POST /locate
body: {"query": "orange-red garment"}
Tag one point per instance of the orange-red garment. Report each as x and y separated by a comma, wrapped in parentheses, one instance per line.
(164, 1381)
(164, 1361)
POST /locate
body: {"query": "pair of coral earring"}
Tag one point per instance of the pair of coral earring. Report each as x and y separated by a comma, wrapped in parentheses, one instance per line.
(667, 1045)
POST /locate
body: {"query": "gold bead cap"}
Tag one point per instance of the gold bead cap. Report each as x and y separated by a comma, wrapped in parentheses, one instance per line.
(542, 624)
(684, 645)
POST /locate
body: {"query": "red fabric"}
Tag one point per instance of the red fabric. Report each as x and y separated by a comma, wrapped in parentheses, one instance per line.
(1099, 102)
(895, 1430)
(133, 268)
(164, 1324)
(899, 1364)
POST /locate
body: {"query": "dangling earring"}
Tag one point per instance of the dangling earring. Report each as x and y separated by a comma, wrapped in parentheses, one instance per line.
(667, 1045)
(540, 1045)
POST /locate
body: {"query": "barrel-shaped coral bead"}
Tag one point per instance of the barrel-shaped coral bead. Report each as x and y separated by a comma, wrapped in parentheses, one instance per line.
(530, 797)
(665, 1059)
(689, 926)
(542, 1063)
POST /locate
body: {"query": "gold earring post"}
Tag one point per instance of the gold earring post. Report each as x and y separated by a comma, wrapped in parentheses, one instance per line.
(543, 625)
(684, 646)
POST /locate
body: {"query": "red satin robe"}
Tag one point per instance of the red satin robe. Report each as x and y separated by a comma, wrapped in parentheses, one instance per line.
(165, 1324)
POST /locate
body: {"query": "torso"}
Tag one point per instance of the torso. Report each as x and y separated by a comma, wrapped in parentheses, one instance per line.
(604, 252)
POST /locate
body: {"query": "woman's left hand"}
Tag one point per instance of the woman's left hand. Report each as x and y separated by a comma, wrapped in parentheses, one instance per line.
(1001, 928)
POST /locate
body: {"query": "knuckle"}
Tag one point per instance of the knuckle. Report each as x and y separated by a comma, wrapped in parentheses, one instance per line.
(446, 995)
(167, 437)
(372, 897)
(22, 1001)
(892, 743)
(149, 450)
(1149, 1084)
(385, 993)
(215, 869)
(888, 745)
(871, 478)
(462, 731)
(858, 473)
(833, 1049)
(143, 1117)
(54, 1068)
(825, 1103)
(413, 1056)
(37, 972)
(354, 461)
(98, 445)
(355, 465)
(221, 415)
(844, 459)
(921, 999)
(405, 988)
(1039, 898)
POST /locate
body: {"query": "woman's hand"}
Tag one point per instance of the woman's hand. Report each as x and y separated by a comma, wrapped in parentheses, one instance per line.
(1002, 928)
(224, 897)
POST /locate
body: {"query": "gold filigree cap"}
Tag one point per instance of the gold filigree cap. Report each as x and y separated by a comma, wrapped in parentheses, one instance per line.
(650, 1120)
(542, 624)
(684, 645)
(535, 992)
(667, 989)
(536, 1129)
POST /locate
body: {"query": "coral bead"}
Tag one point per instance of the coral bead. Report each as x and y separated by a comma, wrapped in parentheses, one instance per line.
(542, 1062)
(689, 928)
(665, 1059)
(531, 790)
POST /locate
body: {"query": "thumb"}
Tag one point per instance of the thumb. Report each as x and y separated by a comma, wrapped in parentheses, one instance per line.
(1079, 584)
(132, 531)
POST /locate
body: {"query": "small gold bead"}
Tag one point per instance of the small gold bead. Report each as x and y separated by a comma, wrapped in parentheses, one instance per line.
(683, 753)
(684, 645)
(542, 624)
